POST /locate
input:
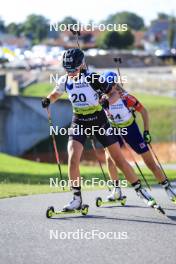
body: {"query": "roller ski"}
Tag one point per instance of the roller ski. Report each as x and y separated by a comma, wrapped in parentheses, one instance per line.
(51, 212)
(75, 206)
(148, 199)
(115, 197)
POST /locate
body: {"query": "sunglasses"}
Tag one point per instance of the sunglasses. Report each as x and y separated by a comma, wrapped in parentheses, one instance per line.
(72, 70)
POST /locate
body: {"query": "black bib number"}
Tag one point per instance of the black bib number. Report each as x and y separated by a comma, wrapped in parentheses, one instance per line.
(118, 116)
(78, 98)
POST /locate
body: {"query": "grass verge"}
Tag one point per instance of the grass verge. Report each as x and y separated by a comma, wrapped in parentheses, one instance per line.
(23, 177)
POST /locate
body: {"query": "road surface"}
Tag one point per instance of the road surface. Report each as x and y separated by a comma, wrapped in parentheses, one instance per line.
(141, 235)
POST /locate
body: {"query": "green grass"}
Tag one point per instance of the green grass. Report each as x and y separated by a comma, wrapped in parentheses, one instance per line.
(8, 190)
(23, 177)
(154, 101)
(39, 90)
(162, 111)
(17, 170)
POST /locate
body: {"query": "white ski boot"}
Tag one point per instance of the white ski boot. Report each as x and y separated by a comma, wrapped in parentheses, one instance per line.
(147, 198)
(74, 204)
(171, 192)
(115, 195)
(144, 195)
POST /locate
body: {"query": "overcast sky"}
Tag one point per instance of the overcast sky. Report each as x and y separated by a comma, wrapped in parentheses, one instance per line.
(55, 10)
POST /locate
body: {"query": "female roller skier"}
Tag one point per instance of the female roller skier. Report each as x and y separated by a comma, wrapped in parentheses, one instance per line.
(83, 90)
(121, 106)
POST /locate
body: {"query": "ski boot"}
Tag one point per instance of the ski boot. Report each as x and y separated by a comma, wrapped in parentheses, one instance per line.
(169, 190)
(114, 197)
(146, 197)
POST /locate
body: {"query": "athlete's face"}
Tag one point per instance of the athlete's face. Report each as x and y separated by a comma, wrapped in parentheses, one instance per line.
(117, 88)
(76, 72)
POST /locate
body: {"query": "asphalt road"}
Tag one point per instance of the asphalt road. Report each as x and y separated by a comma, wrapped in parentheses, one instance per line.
(26, 235)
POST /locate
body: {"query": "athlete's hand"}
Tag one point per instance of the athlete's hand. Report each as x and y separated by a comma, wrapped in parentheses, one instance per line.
(45, 102)
(147, 137)
(104, 103)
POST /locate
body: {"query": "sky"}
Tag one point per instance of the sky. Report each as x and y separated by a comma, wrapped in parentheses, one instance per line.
(96, 10)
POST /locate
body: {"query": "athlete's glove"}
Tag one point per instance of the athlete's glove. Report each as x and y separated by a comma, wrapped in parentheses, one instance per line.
(45, 102)
(147, 137)
(104, 103)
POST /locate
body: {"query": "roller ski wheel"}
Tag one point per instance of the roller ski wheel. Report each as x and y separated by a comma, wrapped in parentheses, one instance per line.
(173, 200)
(123, 200)
(50, 212)
(156, 206)
(84, 209)
(100, 202)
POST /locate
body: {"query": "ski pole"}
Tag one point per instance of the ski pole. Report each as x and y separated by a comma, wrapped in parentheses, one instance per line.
(137, 165)
(101, 167)
(77, 33)
(55, 146)
(131, 154)
(118, 61)
(154, 154)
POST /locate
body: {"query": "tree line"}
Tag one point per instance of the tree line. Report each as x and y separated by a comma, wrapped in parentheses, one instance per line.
(36, 28)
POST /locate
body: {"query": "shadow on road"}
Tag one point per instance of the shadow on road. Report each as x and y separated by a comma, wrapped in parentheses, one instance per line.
(172, 217)
(102, 217)
(169, 209)
(126, 206)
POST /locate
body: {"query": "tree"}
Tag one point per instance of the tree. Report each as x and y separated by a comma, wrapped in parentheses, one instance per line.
(15, 29)
(112, 40)
(36, 28)
(163, 16)
(115, 39)
(127, 38)
(2, 26)
(172, 33)
(132, 20)
(68, 20)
